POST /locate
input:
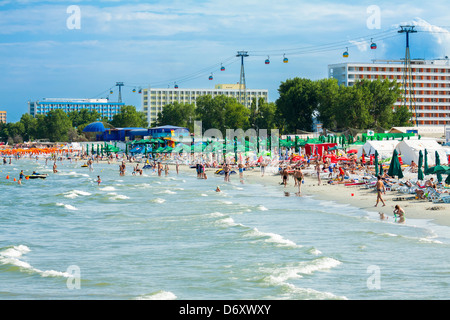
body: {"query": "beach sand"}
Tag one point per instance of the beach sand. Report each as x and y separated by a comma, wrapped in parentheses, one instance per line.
(356, 196)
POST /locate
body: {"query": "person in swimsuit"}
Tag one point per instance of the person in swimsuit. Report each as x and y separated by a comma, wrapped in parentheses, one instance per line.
(380, 188)
(298, 175)
(399, 211)
(285, 175)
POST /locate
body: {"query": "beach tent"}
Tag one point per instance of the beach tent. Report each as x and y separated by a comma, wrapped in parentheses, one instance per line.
(385, 148)
(312, 149)
(409, 149)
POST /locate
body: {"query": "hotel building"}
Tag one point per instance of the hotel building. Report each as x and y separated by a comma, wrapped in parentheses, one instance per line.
(102, 106)
(430, 80)
(3, 116)
(154, 99)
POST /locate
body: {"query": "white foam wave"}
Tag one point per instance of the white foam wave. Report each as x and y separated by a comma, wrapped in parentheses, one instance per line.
(109, 188)
(274, 238)
(204, 195)
(280, 275)
(116, 196)
(168, 192)
(158, 200)
(67, 206)
(262, 208)
(229, 222)
(160, 295)
(75, 193)
(11, 256)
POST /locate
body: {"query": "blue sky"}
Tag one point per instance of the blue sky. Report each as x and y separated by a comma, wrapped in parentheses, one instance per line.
(157, 43)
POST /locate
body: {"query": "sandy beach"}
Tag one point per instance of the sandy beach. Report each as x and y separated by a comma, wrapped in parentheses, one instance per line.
(357, 196)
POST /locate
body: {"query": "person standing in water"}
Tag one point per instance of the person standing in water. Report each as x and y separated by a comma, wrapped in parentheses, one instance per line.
(99, 180)
(400, 212)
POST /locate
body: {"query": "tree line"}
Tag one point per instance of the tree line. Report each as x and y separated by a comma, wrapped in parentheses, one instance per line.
(57, 125)
(365, 105)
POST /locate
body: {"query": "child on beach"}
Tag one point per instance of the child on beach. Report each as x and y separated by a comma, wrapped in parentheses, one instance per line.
(99, 180)
(399, 211)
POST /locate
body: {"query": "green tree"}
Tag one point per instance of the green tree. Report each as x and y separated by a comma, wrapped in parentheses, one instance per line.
(177, 114)
(328, 93)
(83, 117)
(57, 125)
(129, 117)
(402, 116)
(30, 126)
(297, 102)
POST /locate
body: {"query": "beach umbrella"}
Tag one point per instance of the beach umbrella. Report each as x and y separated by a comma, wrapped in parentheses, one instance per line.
(395, 168)
(381, 169)
(447, 181)
(438, 162)
(420, 171)
(376, 162)
(426, 162)
(95, 127)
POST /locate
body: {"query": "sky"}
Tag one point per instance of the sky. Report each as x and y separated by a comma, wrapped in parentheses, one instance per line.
(82, 48)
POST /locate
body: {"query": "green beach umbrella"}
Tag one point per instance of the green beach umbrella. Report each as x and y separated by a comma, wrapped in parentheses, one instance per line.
(447, 181)
(420, 171)
(376, 163)
(438, 162)
(395, 169)
(425, 168)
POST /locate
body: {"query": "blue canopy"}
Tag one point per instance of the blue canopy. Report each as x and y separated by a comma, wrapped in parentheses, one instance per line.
(94, 127)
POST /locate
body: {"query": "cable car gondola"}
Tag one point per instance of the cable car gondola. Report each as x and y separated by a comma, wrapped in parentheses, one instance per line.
(134, 90)
(373, 45)
(176, 86)
(211, 77)
(111, 92)
(345, 54)
(267, 60)
(285, 60)
(222, 68)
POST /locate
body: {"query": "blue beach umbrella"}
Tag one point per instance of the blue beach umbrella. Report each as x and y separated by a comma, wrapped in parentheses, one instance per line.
(95, 127)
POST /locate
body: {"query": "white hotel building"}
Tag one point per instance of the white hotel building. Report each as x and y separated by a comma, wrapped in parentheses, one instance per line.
(154, 99)
(430, 78)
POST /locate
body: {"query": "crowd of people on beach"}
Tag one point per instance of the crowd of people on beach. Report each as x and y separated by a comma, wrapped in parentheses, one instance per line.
(353, 171)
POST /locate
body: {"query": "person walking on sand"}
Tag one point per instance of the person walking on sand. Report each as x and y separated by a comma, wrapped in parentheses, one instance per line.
(380, 188)
(298, 176)
(318, 172)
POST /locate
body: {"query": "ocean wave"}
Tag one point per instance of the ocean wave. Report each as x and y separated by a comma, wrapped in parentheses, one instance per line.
(158, 200)
(160, 295)
(67, 206)
(291, 292)
(116, 196)
(11, 256)
(167, 192)
(75, 193)
(262, 208)
(109, 188)
(280, 275)
(273, 238)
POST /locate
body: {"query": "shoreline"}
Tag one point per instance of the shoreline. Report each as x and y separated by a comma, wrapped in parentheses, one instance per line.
(356, 196)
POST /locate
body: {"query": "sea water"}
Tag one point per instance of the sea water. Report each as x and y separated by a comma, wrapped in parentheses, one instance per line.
(174, 237)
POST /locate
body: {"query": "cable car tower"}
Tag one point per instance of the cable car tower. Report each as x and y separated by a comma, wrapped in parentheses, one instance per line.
(120, 85)
(407, 75)
(242, 84)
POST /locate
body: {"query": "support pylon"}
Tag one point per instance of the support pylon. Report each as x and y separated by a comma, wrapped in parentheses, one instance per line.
(242, 85)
